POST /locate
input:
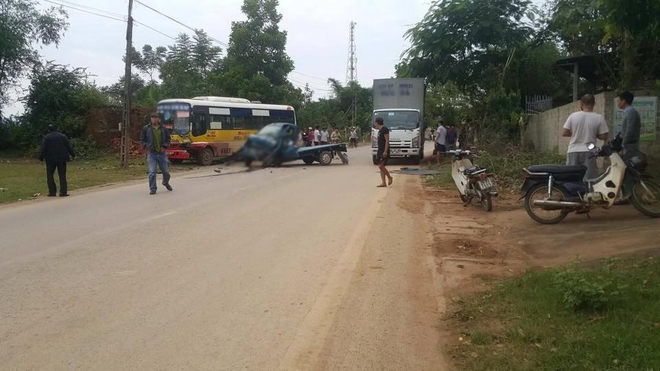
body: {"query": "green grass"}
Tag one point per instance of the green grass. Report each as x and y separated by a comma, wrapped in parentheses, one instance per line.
(22, 179)
(534, 323)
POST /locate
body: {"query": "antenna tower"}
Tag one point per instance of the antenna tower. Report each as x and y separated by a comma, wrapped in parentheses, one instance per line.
(351, 68)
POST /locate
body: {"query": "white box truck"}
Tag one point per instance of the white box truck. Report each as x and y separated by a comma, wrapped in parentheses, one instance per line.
(400, 102)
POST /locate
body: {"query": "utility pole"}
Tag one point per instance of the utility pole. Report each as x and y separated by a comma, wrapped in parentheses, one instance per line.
(125, 128)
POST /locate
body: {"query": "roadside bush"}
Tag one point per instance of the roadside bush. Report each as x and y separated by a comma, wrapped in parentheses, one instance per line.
(85, 148)
(585, 291)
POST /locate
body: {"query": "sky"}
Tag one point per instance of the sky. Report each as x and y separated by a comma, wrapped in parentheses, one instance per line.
(317, 31)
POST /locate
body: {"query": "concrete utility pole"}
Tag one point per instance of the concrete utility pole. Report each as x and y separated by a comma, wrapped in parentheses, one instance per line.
(125, 128)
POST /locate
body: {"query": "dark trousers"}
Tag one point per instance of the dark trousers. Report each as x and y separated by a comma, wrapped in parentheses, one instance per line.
(61, 172)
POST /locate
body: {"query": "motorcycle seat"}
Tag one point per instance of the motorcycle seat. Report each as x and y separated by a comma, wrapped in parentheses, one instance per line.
(559, 169)
(472, 169)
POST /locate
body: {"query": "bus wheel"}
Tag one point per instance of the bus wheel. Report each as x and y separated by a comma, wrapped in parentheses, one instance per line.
(205, 157)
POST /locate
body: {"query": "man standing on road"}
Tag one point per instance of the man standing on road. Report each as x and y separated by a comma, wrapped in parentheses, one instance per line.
(354, 138)
(56, 149)
(383, 152)
(631, 125)
(584, 127)
(155, 139)
(324, 137)
(317, 136)
(440, 141)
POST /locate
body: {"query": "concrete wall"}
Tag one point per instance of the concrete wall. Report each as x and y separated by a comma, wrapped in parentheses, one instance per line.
(544, 129)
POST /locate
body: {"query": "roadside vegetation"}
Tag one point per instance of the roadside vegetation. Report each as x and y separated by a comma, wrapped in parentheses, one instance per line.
(506, 164)
(600, 317)
(24, 179)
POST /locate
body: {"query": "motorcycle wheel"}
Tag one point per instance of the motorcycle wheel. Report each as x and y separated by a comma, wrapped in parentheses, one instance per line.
(540, 192)
(646, 198)
(487, 202)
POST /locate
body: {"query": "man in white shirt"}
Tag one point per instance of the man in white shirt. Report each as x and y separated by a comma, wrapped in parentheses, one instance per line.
(324, 136)
(440, 141)
(584, 128)
(317, 136)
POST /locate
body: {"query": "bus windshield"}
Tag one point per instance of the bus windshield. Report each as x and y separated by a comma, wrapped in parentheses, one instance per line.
(176, 117)
(399, 120)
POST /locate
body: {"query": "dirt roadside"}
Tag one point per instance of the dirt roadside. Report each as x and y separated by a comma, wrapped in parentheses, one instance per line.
(472, 247)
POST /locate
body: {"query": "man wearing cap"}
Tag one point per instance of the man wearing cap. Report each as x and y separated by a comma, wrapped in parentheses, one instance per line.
(155, 139)
(56, 149)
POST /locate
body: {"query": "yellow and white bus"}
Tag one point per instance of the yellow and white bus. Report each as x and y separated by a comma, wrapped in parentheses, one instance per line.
(207, 128)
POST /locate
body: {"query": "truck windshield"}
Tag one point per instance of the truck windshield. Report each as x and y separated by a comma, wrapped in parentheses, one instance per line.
(176, 117)
(399, 120)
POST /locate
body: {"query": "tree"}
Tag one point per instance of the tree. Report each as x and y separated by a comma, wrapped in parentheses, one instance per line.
(151, 60)
(188, 68)
(257, 65)
(22, 28)
(466, 41)
(629, 31)
(62, 96)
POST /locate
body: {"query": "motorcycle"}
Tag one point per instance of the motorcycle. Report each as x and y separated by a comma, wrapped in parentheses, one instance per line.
(551, 192)
(473, 182)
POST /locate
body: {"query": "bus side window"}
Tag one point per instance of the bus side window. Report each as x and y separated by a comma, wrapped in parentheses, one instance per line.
(199, 124)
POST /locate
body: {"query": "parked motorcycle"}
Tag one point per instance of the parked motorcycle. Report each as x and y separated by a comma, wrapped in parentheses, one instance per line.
(473, 182)
(551, 192)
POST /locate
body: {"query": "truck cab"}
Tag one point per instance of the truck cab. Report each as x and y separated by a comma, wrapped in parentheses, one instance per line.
(405, 131)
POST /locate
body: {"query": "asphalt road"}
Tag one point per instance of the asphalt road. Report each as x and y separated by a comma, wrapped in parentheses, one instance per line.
(256, 270)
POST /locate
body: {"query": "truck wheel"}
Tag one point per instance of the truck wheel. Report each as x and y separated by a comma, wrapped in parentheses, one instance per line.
(375, 160)
(205, 157)
(416, 160)
(248, 162)
(308, 160)
(325, 158)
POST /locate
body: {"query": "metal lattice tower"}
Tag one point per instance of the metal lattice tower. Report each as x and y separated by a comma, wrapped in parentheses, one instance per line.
(351, 68)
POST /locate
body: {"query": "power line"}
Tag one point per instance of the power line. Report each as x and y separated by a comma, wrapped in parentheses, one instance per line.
(179, 22)
(312, 77)
(153, 29)
(118, 15)
(87, 11)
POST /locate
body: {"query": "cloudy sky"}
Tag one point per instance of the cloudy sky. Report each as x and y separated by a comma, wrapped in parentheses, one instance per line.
(318, 34)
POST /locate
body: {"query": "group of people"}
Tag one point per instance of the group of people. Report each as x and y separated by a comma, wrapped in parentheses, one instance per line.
(56, 151)
(317, 137)
(586, 126)
(583, 127)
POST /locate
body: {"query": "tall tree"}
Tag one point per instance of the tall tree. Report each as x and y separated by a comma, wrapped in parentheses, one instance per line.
(151, 60)
(467, 42)
(23, 28)
(257, 66)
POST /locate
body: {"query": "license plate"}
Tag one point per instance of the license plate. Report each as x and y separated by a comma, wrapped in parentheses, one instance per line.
(486, 183)
(396, 151)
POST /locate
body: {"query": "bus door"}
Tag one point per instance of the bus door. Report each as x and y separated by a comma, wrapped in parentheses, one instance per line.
(200, 123)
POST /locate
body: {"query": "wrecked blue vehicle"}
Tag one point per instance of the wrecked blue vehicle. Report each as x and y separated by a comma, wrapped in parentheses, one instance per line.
(275, 144)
